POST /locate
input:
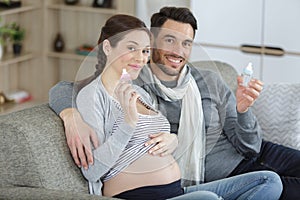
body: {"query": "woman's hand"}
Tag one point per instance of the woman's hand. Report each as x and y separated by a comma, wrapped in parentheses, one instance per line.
(166, 143)
(246, 96)
(127, 97)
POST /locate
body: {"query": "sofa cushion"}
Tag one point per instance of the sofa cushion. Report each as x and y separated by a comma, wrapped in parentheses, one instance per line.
(34, 152)
(16, 164)
(278, 112)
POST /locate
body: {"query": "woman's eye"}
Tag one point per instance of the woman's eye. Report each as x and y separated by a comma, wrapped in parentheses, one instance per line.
(131, 49)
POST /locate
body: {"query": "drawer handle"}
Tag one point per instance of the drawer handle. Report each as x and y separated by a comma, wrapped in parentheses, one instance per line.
(267, 50)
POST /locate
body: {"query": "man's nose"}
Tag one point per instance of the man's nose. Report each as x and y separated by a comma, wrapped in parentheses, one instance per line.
(178, 49)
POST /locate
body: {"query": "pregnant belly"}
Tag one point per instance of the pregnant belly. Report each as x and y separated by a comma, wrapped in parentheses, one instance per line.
(145, 171)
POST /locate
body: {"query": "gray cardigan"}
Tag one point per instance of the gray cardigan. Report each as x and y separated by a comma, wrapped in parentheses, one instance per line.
(98, 110)
(231, 136)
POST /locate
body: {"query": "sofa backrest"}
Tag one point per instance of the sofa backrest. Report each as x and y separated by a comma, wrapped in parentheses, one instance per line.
(278, 112)
(226, 71)
(34, 152)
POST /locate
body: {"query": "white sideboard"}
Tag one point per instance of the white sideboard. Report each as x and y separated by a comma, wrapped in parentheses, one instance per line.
(272, 26)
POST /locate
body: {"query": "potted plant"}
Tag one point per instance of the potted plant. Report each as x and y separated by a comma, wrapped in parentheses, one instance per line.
(5, 33)
(10, 4)
(17, 36)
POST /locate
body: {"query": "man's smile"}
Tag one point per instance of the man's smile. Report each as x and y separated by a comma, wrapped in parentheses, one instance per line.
(175, 60)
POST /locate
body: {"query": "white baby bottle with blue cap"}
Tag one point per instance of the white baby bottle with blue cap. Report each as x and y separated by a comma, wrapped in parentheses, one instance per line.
(247, 74)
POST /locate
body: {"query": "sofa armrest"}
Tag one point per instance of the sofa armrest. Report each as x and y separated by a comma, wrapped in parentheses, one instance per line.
(15, 193)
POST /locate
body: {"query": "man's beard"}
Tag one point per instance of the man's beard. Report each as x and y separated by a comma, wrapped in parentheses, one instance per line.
(157, 60)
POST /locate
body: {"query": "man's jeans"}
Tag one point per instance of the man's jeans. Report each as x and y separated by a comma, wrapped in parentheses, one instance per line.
(196, 195)
(254, 185)
(280, 159)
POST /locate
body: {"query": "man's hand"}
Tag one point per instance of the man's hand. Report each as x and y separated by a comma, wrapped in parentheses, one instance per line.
(79, 137)
(166, 143)
(246, 96)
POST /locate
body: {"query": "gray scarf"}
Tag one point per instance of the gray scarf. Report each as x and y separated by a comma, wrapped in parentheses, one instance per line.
(190, 153)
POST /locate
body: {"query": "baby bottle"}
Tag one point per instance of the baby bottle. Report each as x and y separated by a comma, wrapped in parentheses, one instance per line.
(247, 74)
(125, 77)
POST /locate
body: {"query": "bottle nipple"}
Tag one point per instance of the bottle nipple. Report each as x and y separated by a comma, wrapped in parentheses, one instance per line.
(249, 66)
(125, 77)
(247, 74)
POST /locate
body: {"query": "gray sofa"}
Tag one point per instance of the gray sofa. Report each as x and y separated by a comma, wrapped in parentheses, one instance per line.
(35, 162)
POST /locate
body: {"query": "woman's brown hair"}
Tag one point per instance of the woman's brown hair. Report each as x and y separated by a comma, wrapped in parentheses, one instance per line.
(115, 28)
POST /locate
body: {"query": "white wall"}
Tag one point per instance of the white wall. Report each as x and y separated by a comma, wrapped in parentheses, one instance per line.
(145, 8)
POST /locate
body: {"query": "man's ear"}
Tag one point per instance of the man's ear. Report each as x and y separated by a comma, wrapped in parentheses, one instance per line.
(106, 47)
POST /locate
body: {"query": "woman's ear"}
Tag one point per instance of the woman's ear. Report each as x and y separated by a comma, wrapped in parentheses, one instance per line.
(106, 47)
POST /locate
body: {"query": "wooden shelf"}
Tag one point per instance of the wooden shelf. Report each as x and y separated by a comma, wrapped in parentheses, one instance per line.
(69, 54)
(18, 10)
(83, 8)
(38, 63)
(10, 58)
(12, 107)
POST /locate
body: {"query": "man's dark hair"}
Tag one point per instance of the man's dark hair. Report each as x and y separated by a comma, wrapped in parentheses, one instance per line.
(179, 14)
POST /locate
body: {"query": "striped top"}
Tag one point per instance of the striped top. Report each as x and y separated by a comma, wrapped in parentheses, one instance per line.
(146, 125)
(101, 112)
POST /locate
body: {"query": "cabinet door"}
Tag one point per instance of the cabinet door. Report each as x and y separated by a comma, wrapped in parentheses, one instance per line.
(230, 22)
(282, 30)
(281, 69)
(233, 57)
(223, 26)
